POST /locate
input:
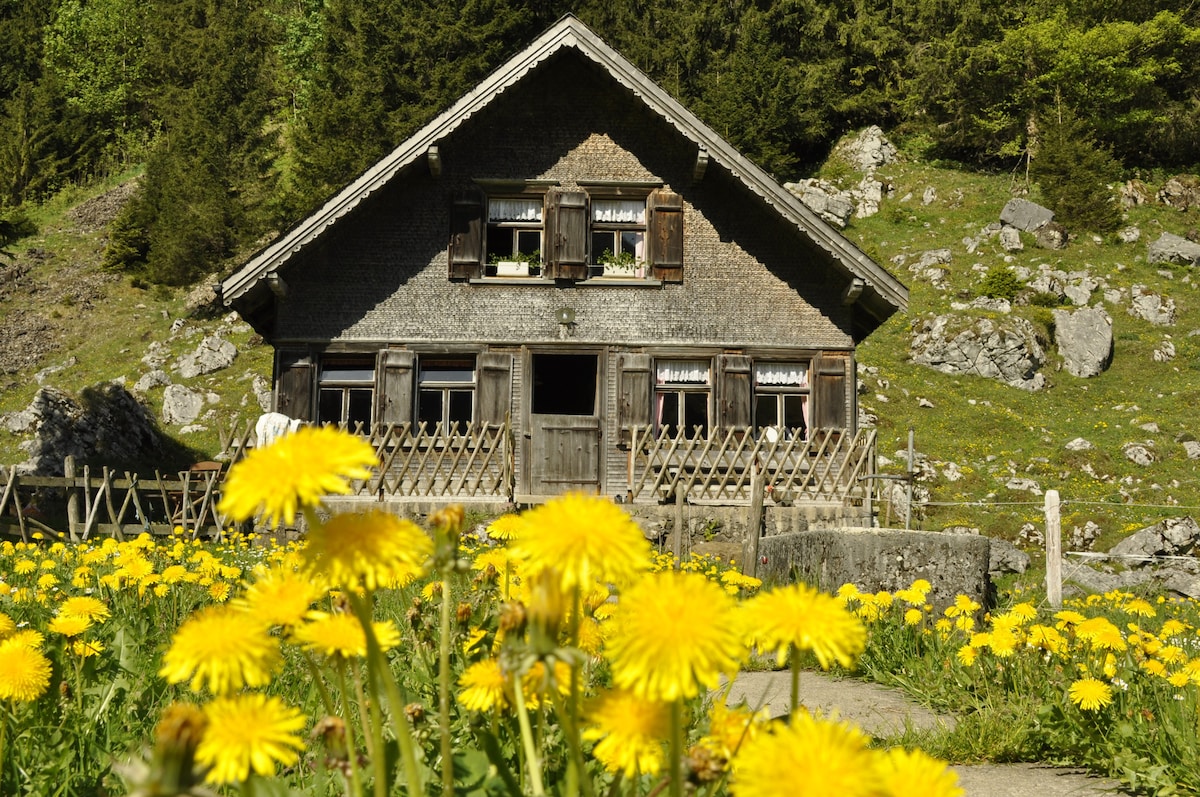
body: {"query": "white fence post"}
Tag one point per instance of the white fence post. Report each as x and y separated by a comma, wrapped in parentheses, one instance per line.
(1053, 550)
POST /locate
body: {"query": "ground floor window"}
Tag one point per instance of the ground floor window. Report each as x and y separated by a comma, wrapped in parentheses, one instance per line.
(346, 391)
(682, 396)
(781, 399)
(446, 391)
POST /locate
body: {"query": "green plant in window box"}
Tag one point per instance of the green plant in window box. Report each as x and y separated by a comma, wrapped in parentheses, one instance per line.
(517, 264)
(622, 264)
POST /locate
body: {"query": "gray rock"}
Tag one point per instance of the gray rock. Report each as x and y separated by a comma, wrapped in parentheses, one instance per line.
(151, 379)
(1078, 444)
(1129, 235)
(1052, 235)
(1006, 558)
(1138, 454)
(213, 354)
(1179, 580)
(1089, 578)
(181, 405)
(1151, 306)
(41, 376)
(106, 423)
(1084, 339)
(1083, 538)
(825, 199)
(1192, 449)
(1025, 215)
(1181, 191)
(1010, 239)
(1173, 249)
(1169, 537)
(1008, 352)
(1164, 352)
(1134, 193)
(933, 257)
(19, 422)
(929, 196)
(1025, 485)
(868, 150)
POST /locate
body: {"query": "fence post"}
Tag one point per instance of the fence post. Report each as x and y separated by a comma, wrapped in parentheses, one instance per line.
(677, 533)
(72, 499)
(754, 531)
(1053, 550)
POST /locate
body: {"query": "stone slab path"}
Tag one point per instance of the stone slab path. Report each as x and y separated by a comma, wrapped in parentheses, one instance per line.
(882, 712)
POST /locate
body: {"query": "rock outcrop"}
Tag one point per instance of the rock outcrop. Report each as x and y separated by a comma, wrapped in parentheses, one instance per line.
(1007, 351)
(1084, 339)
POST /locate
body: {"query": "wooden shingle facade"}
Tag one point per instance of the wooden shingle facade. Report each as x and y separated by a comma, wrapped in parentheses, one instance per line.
(570, 266)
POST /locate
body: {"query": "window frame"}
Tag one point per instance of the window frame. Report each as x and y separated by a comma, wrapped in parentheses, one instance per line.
(781, 392)
(515, 228)
(466, 363)
(616, 231)
(347, 388)
(681, 390)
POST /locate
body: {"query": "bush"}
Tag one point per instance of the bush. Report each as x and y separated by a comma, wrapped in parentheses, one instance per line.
(1074, 173)
(1000, 282)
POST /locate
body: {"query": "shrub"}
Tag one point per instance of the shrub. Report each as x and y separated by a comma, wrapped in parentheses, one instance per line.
(1074, 173)
(1000, 282)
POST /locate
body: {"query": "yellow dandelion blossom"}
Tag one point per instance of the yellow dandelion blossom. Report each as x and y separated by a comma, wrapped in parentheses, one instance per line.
(1047, 638)
(1171, 654)
(24, 671)
(911, 772)
(730, 728)
(1003, 641)
(629, 732)
(809, 756)
(249, 732)
(539, 683)
(582, 539)
(672, 635)
(85, 606)
(1140, 607)
(341, 634)
(505, 527)
(944, 627)
(7, 626)
(1172, 627)
(69, 625)
(1068, 619)
(1101, 634)
(1090, 694)
(735, 582)
(280, 595)
(963, 605)
(1154, 667)
(913, 616)
(173, 574)
(848, 591)
(24, 567)
(802, 617)
(223, 649)
(368, 550)
(967, 655)
(485, 686)
(27, 637)
(295, 472)
(219, 591)
(47, 580)
(86, 649)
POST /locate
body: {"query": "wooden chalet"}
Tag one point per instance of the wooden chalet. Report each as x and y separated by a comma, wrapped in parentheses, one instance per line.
(567, 281)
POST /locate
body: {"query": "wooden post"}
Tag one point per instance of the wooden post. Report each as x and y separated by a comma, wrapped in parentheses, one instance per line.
(1053, 550)
(677, 533)
(72, 499)
(754, 531)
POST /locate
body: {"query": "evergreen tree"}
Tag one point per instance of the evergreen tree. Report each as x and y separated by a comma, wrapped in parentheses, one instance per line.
(1074, 174)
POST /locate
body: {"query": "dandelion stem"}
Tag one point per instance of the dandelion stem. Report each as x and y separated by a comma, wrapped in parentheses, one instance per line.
(372, 730)
(531, 754)
(676, 773)
(351, 743)
(794, 661)
(444, 692)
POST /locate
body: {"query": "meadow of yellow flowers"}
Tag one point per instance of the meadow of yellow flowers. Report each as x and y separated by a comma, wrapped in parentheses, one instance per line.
(551, 652)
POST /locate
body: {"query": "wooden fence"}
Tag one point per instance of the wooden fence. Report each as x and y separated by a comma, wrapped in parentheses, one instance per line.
(827, 466)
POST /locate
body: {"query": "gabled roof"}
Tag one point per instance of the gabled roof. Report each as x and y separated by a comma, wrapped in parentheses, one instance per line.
(881, 295)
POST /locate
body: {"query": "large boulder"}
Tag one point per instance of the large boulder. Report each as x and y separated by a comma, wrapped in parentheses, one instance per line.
(106, 423)
(1171, 248)
(213, 354)
(1170, 537)
(1007, 351)
(1084, 339)
(1025, 215)
(825, 199)
(1181, 191)
(181, 405)
(868, 150)
(1151, 306)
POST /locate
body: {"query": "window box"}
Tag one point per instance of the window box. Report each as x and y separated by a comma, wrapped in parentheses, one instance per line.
(512, 268)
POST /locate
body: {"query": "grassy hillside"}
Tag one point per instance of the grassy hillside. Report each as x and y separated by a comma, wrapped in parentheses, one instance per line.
(58, 309)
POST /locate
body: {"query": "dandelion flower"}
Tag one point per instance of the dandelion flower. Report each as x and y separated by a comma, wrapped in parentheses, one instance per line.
(808, 756)
(505, 527)
(295, 472)
(1101, 634)
(484, 686)
(368, 550)
(583, 539)
(93, 609)
(629, 732)
(7, 626)
(221, 648)
(341, 634)
(280, 596)
(967, 655)
(802, 617)
(24, 672)
(69, 625)
(1090, 694)
(249, 732)
(913, 772)
(729, 728)
(673, 634)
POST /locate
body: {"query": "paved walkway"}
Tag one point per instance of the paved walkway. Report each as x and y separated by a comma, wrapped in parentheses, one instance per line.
(885, 712)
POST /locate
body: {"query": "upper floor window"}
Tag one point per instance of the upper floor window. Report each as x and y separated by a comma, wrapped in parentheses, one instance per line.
(514, 229)
(682, 393)
(781, 399)
(446, 391)
(346, 391)
(618, 244)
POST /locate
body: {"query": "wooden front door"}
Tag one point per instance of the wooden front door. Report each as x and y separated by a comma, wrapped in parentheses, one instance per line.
(564, 451)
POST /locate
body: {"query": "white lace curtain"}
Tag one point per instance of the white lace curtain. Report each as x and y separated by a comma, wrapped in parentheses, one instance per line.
(619, 211)
(781, 374)
(690, 372)
(514, 210)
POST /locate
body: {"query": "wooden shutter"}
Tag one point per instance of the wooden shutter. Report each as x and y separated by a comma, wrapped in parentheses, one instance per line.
(466, 234)
(494, 394)
(635, 393)
(665, 210)
(830, 391)
(567, 234)
(295, 376)
(735, 391)
(394, 386)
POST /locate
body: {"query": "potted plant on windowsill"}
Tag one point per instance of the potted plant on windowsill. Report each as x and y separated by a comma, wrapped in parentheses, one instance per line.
(623, 264)
(518, 264)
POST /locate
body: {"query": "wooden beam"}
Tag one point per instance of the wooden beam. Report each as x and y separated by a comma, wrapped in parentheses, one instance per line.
(701, 165)
(434, 158)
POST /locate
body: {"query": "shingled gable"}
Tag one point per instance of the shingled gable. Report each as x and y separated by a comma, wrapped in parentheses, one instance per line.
(876, 293)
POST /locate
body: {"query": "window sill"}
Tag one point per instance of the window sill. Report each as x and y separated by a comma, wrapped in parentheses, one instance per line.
(622, 282)
(605, 282)
(510, 281)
